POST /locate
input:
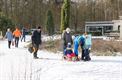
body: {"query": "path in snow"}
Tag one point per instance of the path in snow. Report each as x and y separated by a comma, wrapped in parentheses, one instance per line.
(18, 64)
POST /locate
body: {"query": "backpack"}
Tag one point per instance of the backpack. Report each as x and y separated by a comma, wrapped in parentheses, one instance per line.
(31, 49)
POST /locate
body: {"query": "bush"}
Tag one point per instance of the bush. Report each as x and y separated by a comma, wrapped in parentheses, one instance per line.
(50, 23)
(53, 46)
(99, 47)
(102, 47)
(5, 23)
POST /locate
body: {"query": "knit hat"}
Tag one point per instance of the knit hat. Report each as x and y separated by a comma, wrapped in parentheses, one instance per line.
(39, 27)
(69, 45)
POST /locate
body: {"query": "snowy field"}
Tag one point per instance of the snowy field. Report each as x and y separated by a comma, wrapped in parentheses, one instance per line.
(18, 64)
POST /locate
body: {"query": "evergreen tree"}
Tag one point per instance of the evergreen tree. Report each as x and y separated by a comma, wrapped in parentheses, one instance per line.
(50, 23)
(5, 23)
(65, 15)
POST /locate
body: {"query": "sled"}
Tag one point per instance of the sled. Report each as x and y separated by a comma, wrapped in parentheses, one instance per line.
(74, 58)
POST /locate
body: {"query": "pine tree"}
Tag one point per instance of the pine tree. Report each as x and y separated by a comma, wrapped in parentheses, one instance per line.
(50, 23)
(5, 23)
(65, 15)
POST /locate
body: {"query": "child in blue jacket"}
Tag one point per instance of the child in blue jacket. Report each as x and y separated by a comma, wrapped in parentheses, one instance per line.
(69, 55)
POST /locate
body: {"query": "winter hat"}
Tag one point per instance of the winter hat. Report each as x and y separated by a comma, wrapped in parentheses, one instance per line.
(69, 45)
(8, 29)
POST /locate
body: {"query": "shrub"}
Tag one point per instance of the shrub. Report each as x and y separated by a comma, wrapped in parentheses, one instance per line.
(99, 47)
(5, 23)
(106, 47)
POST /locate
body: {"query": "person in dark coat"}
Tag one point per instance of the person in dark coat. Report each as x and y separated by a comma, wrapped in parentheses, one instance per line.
(67, 38)
(23, 34)
(36, 40)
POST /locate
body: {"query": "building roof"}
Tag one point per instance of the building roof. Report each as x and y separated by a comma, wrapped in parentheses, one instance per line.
(99, 23)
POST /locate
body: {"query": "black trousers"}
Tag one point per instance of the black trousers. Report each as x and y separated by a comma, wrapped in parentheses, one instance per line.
(23, 37)
(83, 54)
(86, 55)
(16, 41)
(64, 48)
(9, 44)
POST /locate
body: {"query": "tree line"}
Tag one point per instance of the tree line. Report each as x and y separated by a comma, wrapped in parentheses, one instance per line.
(31, 13)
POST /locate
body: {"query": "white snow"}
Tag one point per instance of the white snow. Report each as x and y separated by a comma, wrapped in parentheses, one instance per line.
(47, 38)
(18, 64)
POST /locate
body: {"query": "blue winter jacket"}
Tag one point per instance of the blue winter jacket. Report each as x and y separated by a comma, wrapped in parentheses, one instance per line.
(79, 40)
(68, 51)
(9, 36)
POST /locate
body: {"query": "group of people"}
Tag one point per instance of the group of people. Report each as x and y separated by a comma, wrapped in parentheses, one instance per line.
(84, 41)
(13, 38)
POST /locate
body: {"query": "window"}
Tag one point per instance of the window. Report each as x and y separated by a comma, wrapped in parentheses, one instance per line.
(108, 28)
(92, 29)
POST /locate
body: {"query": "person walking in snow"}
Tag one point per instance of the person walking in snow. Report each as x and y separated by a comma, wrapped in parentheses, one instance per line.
(23, 34)
(67, 38)
(36, 41)
(9, 36)
(17, 35)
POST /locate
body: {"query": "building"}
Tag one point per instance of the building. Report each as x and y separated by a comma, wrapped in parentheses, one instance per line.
(105, 28)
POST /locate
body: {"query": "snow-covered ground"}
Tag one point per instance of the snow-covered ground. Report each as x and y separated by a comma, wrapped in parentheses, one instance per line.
(18, 64)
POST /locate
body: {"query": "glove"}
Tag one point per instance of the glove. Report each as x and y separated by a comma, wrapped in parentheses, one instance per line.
(89, 48)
